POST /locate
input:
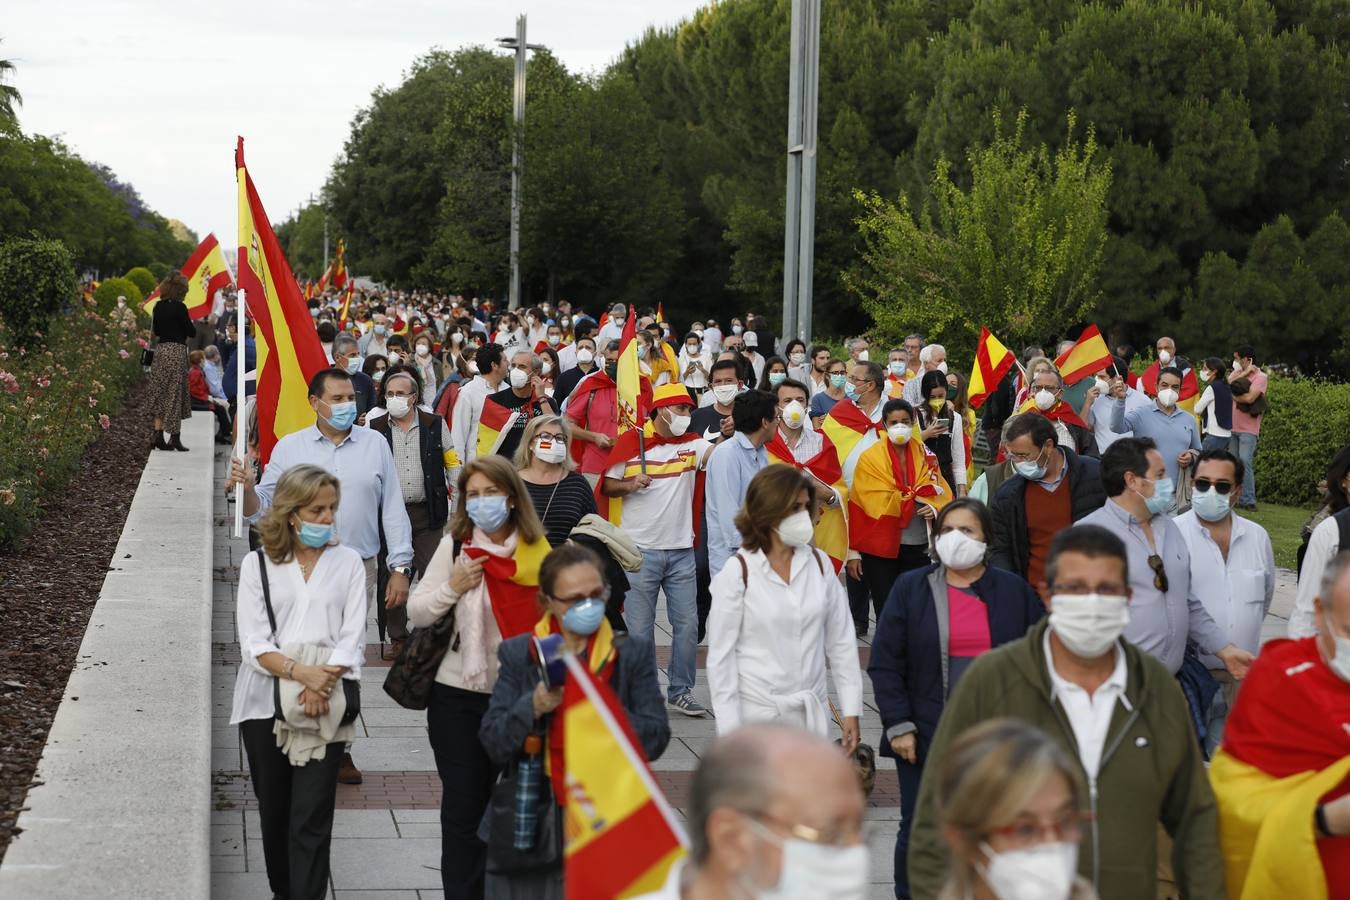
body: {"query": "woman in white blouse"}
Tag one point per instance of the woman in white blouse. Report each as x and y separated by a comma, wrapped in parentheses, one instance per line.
(318, 595)
(778, 614)
(695, 364)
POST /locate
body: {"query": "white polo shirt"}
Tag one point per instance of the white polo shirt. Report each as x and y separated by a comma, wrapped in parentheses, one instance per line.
(1235, 591)
(1089, 716)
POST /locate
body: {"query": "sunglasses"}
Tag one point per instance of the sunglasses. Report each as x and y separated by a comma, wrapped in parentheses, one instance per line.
(1204, 484)
(1159, 573)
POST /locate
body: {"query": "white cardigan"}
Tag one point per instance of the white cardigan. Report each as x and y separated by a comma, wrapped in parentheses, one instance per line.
(769, 641)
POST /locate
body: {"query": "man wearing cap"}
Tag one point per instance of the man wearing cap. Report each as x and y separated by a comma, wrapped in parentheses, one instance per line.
(750, 341)
(660, 483)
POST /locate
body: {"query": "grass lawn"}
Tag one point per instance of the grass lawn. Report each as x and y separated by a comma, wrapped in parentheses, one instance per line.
(1283, 523)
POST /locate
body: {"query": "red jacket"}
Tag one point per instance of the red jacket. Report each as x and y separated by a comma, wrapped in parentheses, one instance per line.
(197, 386)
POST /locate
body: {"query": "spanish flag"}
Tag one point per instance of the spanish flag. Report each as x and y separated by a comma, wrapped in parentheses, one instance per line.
(887, 483)
(832, 528)
(206, 272)
(1086, 357)
(513, 584)
(494, 424)
(620, 835)
(660, 315)
(1190, 385)
(289, 353)
(850, 432)
(346, 305)
(336, 273)
(992, 362)
(632, 400)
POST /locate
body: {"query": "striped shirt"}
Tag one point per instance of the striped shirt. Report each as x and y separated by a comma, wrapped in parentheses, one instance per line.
(661, 515)
(407, 447)
(561, 506)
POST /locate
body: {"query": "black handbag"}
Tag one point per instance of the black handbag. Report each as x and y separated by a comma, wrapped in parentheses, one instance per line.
(351, 688)
(502, 856)
(410, 679)
(148, 357)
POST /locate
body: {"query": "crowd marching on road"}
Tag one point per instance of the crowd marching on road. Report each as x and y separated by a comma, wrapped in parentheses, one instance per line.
(1067, 657)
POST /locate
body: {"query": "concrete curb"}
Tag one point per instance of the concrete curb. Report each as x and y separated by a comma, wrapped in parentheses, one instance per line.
(124, 808)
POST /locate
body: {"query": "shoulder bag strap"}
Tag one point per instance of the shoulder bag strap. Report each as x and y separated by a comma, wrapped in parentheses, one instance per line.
(267, 591)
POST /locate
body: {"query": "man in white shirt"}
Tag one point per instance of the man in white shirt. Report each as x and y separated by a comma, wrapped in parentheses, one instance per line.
(612, 330)
(1099, 413)
(712, 336)
(492, 367)
(1326, 541)
(932, 358)
(752, 354)
(1232, 571)
(794, 425)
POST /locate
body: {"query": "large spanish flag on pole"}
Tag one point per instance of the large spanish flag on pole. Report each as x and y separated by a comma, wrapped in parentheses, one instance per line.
(1088, 356)
(206, 272)
(632, 400)
(288, 348)
(620, 835)
(992, 362)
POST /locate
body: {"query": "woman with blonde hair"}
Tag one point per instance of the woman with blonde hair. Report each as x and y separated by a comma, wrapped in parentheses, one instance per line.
(486, 574)
(560, 496)
(1010, 805)
(316, 590)
(172, 328)
(779, 614)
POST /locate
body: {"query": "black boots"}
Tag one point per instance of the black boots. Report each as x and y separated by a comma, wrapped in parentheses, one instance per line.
(175, 443)
(160, 443)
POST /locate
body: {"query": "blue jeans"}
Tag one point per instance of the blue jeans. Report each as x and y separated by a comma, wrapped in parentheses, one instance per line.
(671, 571)
(1243, 446)
(1214, 442)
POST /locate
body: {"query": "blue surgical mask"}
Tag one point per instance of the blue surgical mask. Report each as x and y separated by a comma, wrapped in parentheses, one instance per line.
(1162, 496)
(897, 368)
(585, 616)
(777, 378)
(488, 513)
(839, 381)
(379, 329)
(314, 535)
(1210, 505)
(343, 415)
(353, 365)
(850, 391)
(1030, 469)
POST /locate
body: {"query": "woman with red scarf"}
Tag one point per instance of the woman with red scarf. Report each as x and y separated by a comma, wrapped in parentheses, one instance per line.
(572, 594)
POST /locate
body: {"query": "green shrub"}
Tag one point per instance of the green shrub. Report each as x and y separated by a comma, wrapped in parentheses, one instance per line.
(143, 278)
(56, 397)
(37, 277)
(1307, 422)
(159, 270)
(105, 297)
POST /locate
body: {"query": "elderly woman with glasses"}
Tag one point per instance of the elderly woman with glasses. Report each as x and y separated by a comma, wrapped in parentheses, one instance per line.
(561, 497)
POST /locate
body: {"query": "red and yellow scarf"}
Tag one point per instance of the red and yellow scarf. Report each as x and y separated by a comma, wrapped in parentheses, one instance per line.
(602, 660)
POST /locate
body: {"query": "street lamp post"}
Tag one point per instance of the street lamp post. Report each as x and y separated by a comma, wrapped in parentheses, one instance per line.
(799, 239)
(520, 47)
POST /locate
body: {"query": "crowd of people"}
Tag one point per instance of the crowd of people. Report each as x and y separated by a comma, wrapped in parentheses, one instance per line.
(1067, 657)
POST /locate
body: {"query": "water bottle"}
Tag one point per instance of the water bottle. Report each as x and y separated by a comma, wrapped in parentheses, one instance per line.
(529, 780)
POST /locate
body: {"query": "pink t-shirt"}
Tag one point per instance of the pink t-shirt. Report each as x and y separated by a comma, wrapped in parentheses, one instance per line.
(968, 624)
(1246, 423)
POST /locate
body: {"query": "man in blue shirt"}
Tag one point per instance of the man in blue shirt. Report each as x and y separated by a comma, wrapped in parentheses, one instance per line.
(754, 415)
(1172, 429)
(371, 495)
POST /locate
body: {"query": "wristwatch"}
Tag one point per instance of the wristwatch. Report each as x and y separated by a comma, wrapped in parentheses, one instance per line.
(405, 571)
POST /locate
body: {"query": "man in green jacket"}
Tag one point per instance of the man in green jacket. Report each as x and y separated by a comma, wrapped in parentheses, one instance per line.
(1117, 710)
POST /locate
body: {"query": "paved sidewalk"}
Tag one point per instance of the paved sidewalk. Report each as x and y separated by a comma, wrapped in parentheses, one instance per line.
(386, 835)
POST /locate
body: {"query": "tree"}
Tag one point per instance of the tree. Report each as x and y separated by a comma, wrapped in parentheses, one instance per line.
(1016, 252)
(301, 239)
(143, 278)
(9, 96)
(37, 278)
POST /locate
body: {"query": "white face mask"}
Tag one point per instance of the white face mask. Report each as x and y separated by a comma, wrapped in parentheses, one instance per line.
(725, 393)
(1043, 872)
(549, 451)
(1103, 386)
(736, 329)
(423, 350)
(942, 367)
(398, 406)
(1205, 376)
(678, 425)
(584, 356)
(899, 433)
(1045, 399)
(862, 356)
(473, 367)
(1089, 624)
(794, 415)
(1167, 397)
(1164, 357)
(395, 359)
(816, 871)
(519, 378)
(797, 358)
(546, 368)
(958, 550)
(796, 530)
(1237, 366)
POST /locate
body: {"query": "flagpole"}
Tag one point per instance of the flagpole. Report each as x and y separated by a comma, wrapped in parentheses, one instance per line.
(240, 434)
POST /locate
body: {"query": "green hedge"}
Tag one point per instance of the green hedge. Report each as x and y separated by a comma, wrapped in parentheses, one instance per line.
(37, 278)
(1307, 422)
(55, 399)
(143, 278)
(105, 297)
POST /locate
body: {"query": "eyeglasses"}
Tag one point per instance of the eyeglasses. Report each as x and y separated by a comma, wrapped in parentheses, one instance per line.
(844, 836)
(1204, 484)
(546, 436)
(1065, 828)
(1159, 573)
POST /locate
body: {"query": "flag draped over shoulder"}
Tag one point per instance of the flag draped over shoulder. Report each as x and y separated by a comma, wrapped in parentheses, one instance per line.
(887, 483)
(1060, 412)
(513, 585)
(495, 422)
(288, 350)
(1088, 356)
(620, 835)
(992, 362)
(206, 272)
(850, 432)
(831, 533)
(1190, 385)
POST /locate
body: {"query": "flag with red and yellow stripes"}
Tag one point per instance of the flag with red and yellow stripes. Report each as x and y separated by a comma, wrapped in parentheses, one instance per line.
(850, 431)
(632, 400)
(513, 584)
(992, 362)
(206, 272)
(887, 484)
(831, 533)
(1088, 356)
(494, 424)
(620, 835)
(288, 348)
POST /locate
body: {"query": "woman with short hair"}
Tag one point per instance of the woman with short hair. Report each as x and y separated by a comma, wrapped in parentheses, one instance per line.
(779, 614)
(317, 591)
(485, 572)
(560, 496)
(172, 328)
(1010, 804)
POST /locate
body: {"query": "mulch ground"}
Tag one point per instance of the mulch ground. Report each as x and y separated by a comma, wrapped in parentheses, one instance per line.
(48, 587)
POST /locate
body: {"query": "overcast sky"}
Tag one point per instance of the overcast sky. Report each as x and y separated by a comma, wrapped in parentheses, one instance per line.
(157, 90)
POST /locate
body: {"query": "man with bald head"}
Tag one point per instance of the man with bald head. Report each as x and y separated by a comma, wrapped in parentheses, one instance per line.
(756, 825)
(1281, 779)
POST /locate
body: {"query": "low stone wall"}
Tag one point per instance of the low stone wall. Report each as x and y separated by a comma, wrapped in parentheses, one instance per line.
(122, 808)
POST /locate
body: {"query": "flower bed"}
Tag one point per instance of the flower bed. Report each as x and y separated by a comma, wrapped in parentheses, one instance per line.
(56, 397)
